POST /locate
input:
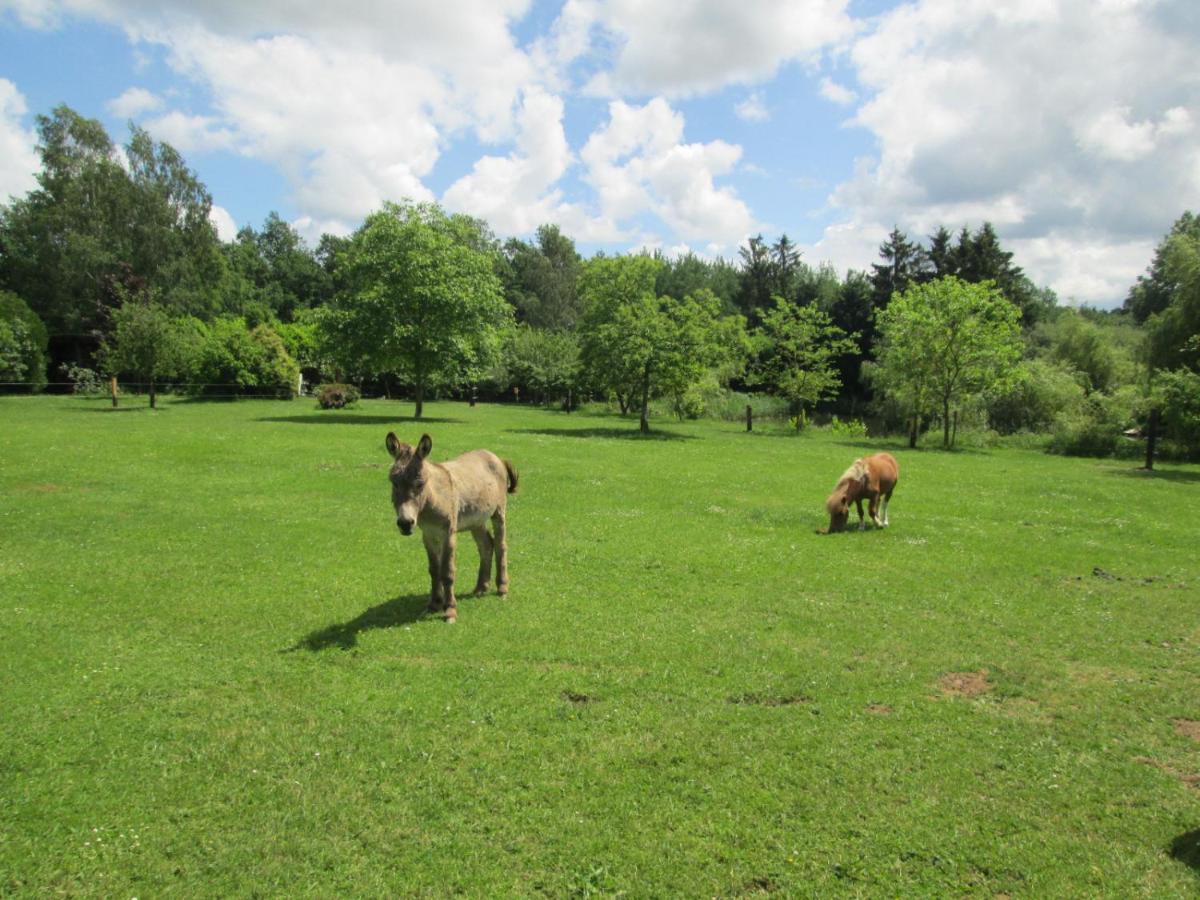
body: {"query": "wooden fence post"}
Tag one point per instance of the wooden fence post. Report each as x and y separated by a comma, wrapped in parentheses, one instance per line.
(1151, 438)
(749, 417)
(112, 386)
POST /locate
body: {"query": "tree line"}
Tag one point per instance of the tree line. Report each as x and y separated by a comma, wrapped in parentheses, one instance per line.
(111, 263)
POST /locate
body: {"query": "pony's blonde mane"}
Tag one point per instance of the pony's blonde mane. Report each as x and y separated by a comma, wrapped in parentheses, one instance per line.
(857, 472)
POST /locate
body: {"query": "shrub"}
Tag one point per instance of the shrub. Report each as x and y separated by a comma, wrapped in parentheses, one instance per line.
(23, 343)
(851, 428)
(730, 406)
(337, 396)
(231, 355)
(1095, 427)
(1178, 393)
(1036, 399)
(83, 380)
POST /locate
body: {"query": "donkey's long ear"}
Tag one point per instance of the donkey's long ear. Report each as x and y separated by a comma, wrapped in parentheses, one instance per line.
(392, 443)
(424, 446)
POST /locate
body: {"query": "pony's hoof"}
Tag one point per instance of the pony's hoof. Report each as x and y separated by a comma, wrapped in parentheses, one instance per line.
(451, 618)
(480, 590)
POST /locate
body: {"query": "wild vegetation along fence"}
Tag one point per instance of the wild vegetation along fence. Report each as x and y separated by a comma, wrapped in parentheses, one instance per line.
(139, 387)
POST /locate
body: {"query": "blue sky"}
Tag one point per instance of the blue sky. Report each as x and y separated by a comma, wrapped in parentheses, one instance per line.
(1072, 125)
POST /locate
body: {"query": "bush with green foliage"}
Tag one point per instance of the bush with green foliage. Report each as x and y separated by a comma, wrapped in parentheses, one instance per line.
(337, 396)
(231, 356)
(1035, 398)
(851, 428)
(1177, 393)
(1096, 426)
(23, 343)
(82, 379)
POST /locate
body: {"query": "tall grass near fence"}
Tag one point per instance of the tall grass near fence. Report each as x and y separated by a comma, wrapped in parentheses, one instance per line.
(217, 679)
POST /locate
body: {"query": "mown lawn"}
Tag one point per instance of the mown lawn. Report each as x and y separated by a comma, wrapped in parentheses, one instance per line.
(217, 680)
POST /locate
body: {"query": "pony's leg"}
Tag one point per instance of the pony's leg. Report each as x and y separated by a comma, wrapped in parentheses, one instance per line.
(449, 603)
(483, 541)
(873, 509)
(887, 498)
(500, 542)
(433, 549)
(862, 526)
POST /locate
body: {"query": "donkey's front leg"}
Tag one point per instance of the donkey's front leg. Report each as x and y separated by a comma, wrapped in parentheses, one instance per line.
(434, 547)
(483, 541)
(450, 604)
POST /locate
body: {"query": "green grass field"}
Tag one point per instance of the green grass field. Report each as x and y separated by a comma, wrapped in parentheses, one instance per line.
(217, 680)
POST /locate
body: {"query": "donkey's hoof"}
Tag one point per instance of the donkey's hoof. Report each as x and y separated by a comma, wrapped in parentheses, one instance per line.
(481, 589)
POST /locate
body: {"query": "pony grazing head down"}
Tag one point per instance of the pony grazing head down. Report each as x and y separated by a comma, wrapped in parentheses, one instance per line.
(850, 487)
(872, 478)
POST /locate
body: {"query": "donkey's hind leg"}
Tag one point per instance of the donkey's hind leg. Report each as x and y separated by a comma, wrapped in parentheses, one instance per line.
(500, 542)
(483, 541)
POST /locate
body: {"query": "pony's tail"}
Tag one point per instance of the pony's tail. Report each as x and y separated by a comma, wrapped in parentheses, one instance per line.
(512, 476)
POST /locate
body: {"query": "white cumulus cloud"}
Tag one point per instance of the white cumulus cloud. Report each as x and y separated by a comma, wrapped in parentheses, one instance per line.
(1066, 123)
(19, 162)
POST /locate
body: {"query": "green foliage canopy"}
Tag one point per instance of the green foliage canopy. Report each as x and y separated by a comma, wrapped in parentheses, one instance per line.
(945, 340)
(23, 343)
(421, 298)
(797, 351)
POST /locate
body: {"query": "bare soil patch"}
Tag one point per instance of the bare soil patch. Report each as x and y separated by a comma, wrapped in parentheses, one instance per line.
(769, 699)
(1187, 728)
(879, 709)
(965, 684)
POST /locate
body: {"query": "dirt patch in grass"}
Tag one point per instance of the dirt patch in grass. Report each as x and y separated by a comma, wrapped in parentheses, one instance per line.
(576, 698)
(1187, 728)
(965, 684)
(1192, 781)
(761, 885)
(879, 709)
(769, 699)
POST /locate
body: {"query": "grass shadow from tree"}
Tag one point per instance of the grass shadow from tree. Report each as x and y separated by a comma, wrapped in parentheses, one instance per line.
(344, 635)
(1180, 476)
(336, 418)
(621, 434)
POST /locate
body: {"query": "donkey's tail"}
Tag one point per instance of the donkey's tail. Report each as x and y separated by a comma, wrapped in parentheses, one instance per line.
(512, 476)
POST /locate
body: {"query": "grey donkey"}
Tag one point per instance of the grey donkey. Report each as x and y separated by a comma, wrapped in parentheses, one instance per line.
(443, 499)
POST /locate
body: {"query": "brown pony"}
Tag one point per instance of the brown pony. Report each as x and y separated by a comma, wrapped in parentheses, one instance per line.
(872, 477)
(443, 499)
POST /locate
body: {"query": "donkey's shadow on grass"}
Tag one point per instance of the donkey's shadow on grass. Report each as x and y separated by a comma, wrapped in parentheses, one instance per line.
(344, 635)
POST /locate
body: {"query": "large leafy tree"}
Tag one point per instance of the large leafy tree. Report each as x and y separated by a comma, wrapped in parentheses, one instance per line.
(540, 279)
(946, 340)
(543, 363)
(103, 224)
(904, 263)
(1174, 332)
(281, 275)
(1154, 291)
(689, 274)
(421, 298)
(639, 345)
(798, 350)
(147, 343)
(23, 343)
